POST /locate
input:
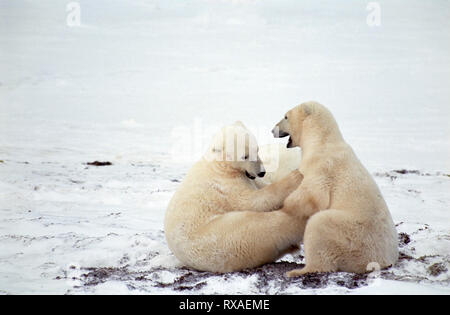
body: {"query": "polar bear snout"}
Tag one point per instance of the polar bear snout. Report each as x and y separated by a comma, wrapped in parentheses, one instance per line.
(260, 171)
(282, 129)
(278, 133)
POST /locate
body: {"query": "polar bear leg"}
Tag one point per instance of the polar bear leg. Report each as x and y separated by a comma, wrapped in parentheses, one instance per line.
(250, 240)
(332, 242)
(336, 240)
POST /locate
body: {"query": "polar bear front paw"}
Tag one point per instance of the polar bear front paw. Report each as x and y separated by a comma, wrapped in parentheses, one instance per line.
(295, 178)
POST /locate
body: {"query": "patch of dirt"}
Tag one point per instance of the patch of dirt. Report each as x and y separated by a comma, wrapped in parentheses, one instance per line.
(267, 279)
(403, 239)
(273, 272)
(270, 278)
(402, 256)
(98, 163)
(386, 174)
(393, 174)
(436, 269)
(425, 227)
(192, 280)
(425, 258)
(273, 275)
(403, 171)
(95, 276)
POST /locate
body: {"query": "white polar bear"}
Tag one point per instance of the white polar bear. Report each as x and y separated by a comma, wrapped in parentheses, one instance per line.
(219, 221)
(343, 216)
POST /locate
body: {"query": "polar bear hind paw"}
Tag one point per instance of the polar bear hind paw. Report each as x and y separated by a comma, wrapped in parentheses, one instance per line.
(296, 273)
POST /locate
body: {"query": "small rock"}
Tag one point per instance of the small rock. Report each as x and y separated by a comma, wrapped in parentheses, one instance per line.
(98, 163)
(403, 171)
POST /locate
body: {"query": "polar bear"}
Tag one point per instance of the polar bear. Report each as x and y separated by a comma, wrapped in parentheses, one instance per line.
(345, 222)
(219, 221)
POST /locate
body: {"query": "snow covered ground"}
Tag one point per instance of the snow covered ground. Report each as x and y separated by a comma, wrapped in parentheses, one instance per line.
(142, 84)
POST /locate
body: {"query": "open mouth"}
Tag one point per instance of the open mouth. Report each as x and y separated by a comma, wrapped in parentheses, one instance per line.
(282, 134)
(249, 176)
(289, 144)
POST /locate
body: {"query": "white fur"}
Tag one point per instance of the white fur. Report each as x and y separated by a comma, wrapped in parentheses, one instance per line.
(341, 212)
(219, 221)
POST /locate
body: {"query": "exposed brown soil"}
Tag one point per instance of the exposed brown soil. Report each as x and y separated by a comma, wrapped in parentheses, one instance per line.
(403, 171)
(270, 278)
(267, 279)
(403, 239)
(98, 163)
(436, 269)
(394, 173)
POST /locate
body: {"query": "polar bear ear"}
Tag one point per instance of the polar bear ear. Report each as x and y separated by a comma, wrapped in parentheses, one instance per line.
(239, 123)
(214, 154)
(216, 147)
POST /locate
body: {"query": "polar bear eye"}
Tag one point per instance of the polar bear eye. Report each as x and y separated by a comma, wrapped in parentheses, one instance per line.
(246, 157)
(285, 117)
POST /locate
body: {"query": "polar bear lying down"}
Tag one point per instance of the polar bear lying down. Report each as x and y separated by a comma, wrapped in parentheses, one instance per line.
(344, 220)
(219, 221)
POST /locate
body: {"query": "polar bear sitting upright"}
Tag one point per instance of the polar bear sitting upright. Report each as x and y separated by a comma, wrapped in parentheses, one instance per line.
(219, 221)
(345, 220)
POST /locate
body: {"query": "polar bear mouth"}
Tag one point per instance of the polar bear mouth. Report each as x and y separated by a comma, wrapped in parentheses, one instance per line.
(289, 144)
(249, 176)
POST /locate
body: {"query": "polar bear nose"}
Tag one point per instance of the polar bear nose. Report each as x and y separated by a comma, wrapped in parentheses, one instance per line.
(262, 170)
(277, 133)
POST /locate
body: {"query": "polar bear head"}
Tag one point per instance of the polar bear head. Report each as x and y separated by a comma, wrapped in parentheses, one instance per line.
(309, 119)
(235, 147)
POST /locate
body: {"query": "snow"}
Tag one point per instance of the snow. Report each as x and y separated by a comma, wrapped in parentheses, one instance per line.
(143, 84)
